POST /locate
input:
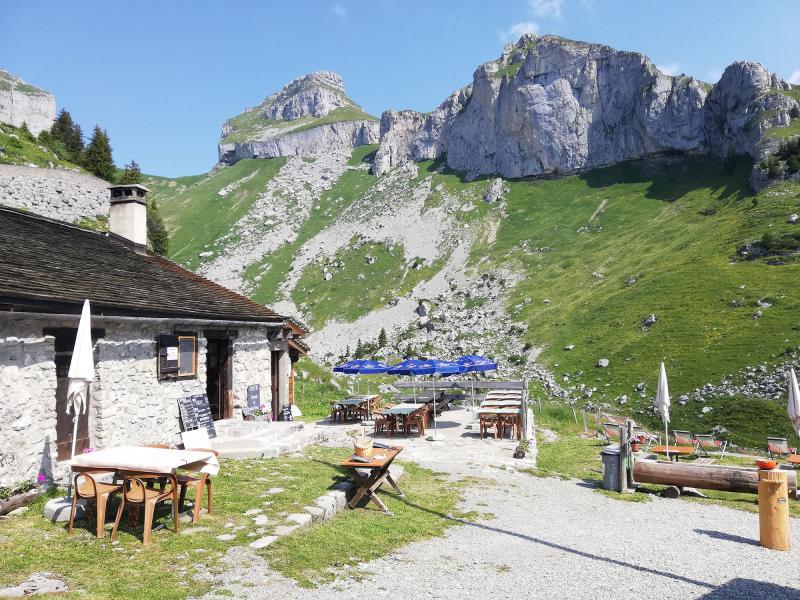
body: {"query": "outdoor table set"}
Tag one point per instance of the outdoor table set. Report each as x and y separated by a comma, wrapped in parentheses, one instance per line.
(402, 417)
(141, 469)
(501, 411)
(354, 408)
(369, 474)
(674, 452)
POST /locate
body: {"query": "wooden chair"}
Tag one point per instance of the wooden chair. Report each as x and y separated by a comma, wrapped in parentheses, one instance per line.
(337, 413)
(417, 420)
(196, 440)
(506, 421)
(86, 487)
(136, 492)
(383, 424)
(487, 421)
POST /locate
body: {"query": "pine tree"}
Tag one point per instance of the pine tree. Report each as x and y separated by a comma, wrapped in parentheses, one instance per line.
(131, 174)
(74, 144)
(25, 132)
(63, 126)
(98, 158)
(382, 338)
(359, 351)
(156, 231)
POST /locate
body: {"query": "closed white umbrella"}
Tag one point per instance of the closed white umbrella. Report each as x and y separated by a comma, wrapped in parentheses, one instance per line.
(81, 371)
(662, 402)
(794, 402)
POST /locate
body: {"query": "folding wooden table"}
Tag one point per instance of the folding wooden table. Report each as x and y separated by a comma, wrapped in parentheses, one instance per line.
(369, 476)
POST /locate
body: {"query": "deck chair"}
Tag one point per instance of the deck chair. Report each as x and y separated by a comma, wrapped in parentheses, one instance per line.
(779, 447)
(611, 431)
(684, 438)
(707, 441)
(648, 438)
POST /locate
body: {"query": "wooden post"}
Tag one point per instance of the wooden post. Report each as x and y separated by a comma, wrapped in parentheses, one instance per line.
(585, 426)
(623, 454)
(773, 509)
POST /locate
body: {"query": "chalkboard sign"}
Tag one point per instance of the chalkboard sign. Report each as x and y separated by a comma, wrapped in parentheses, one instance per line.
(253, 399)
(203, 412)
(188, 414)
(287, 412)
(196, 413)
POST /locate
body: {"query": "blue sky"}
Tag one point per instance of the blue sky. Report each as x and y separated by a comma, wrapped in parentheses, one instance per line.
(162, 76)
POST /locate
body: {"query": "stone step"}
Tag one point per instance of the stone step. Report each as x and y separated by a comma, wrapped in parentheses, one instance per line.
(293, 440)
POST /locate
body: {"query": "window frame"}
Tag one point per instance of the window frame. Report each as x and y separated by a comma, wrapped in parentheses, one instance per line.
(194, 338)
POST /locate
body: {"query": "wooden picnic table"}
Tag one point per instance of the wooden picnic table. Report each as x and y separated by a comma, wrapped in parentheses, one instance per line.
(369, 476)
(501, 403)
(675, 452)
(403, 411)
(794, 459)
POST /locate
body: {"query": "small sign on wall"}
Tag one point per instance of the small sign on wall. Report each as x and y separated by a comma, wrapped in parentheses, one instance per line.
(253, 399)
(287, 412)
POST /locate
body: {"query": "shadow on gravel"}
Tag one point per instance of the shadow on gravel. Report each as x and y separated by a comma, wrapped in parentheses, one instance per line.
(728, 537)
(575, 551)
(750, 588)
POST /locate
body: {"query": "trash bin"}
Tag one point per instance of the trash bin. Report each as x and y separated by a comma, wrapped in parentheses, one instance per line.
(610, 458)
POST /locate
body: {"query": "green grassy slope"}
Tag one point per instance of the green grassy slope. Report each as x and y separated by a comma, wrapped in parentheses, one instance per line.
(196, 215)
(657, 225)
(673, 224)
(17, 148)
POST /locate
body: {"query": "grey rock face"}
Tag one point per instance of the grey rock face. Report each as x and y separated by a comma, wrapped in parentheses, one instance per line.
(317, 140)
(23, 103)
(408, 135)
(743, 105)
(555, 105)
(550, 105)
(290, 122)
(313, 95)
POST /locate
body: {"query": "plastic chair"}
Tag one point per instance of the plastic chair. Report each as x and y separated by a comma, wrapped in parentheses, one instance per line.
(611, 431)
(86, 487)
(136, 492)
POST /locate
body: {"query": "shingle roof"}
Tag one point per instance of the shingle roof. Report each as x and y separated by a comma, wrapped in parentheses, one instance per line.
(50, 262)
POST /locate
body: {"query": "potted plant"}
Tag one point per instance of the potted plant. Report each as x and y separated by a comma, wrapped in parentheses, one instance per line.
(636, 441)
(521, 449)
(261, 413)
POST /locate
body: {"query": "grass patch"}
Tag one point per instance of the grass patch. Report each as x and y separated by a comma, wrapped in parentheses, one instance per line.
(29, 544)
(198, 216)
(250, 125)
(428, 509)
(314, 391)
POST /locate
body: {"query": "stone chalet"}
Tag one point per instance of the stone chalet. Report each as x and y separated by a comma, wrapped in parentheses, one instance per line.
(160, 333)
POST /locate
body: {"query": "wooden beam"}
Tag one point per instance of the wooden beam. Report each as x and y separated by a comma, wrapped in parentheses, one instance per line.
(706, 477)
(444, 384)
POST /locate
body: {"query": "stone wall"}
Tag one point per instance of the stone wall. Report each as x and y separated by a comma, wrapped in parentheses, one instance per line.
(55, 193)
(27, 402)
(251, 365)
(128, 405)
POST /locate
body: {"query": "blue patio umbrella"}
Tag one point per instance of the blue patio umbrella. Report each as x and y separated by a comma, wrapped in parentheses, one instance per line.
(475, 363)
(361, 366)
(412, 367)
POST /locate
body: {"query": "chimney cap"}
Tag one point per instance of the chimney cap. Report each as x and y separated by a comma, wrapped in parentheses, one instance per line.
(138, 186)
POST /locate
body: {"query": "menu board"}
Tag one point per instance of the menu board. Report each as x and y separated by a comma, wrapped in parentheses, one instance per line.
(287, 412)
(253, 399)
(196, 413)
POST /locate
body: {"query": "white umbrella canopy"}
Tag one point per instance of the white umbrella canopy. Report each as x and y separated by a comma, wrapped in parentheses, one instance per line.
(81, 371)
(662, 401)
(794, 402)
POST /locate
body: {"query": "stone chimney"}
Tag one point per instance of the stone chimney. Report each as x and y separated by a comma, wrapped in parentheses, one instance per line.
(128, 214)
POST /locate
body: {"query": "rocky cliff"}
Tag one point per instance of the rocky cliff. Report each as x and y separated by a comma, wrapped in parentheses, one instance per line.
(310, 115)
(551, 105)
(23, 103)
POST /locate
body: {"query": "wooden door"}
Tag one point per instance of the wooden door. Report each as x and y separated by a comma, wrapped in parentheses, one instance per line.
(213, 378)
(274, 372)
(64, 344)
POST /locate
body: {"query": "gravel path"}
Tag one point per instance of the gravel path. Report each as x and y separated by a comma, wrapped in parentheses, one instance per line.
(553, 538)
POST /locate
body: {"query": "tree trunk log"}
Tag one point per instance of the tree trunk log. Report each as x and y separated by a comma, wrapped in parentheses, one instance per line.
(6, 506)
(705, 477)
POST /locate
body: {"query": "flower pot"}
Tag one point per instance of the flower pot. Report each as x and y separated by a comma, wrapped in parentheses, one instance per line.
(634, 446)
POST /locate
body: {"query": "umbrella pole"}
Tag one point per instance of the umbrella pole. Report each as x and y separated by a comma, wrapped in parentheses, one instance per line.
(414, 387)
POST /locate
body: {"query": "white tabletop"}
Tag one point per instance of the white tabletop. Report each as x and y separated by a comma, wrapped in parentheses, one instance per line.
(148, 460)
